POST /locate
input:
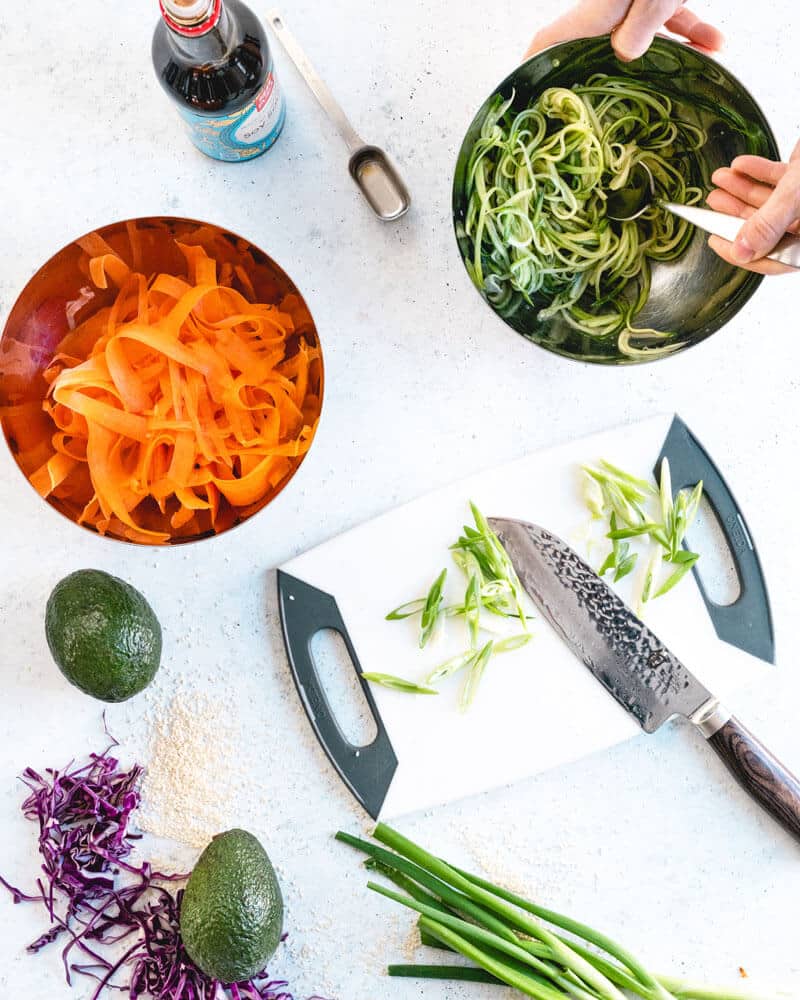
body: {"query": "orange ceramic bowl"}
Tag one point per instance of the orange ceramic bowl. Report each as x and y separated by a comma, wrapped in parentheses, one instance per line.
(243, 423)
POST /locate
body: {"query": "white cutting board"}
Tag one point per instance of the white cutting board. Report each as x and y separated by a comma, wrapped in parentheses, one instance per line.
(537, 707)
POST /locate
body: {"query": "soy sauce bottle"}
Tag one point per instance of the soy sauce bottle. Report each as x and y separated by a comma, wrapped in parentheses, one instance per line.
(213, 60)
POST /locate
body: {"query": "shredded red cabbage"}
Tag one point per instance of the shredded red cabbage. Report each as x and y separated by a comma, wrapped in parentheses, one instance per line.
(123, 933)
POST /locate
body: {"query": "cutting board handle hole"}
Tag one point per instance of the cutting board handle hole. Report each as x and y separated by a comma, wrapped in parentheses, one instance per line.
(717, 565)
(339, 681)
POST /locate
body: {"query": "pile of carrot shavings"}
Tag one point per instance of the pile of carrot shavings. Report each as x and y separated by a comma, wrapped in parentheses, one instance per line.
(182, 405)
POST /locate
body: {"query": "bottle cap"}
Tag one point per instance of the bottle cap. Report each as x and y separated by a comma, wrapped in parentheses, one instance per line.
(187, 10)
(191, 16)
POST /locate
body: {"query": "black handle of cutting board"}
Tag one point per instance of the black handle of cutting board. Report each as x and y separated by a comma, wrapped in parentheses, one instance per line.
(759, 773)
(367, 771)
(747, 622)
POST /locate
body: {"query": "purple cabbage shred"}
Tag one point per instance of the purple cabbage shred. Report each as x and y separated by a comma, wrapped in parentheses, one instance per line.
(118, 922)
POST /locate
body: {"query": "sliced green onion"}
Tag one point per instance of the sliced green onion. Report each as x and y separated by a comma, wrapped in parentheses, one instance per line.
(608, 563)
(678, 523)
(397, 683)
(592, 495)
(625, 565)
(643, 529)
(475, 674)
(693, 504)
(472, 608)
(407, 610)
(492, 586)
(432, 608)
(483, 545)
(512, 642)
(674, 578)
(624, 499)
(469, 656)
(647, 586)
(451, 666)
(641, 485)
(665, 494)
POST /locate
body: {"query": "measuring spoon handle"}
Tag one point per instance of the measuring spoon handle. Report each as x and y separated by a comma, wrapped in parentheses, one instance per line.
(315, 82)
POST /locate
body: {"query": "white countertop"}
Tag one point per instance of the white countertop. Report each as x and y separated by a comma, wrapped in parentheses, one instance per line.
(652, 841)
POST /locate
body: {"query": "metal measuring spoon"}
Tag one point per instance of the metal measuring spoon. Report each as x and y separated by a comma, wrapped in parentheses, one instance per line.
(369, 166)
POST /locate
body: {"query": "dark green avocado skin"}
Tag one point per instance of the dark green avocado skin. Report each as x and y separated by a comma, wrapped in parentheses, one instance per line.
(103, 635)
(231, 917)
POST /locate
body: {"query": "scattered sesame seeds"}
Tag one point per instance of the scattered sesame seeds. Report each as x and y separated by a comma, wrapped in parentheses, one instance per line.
(191, 771)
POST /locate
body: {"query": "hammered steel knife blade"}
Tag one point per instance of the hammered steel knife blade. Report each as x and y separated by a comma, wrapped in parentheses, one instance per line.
(635, 666)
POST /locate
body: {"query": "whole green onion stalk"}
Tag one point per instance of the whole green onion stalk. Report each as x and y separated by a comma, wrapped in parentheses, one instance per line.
(507, 939)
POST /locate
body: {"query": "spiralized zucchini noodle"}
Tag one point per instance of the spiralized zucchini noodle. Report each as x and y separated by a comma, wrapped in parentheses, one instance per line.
(537, 185)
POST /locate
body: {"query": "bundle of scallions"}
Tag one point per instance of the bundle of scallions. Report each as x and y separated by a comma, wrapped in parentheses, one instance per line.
(537, 184)
(507, 939)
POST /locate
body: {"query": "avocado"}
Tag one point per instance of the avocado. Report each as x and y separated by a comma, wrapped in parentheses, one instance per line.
(231, 917)
(103, 635)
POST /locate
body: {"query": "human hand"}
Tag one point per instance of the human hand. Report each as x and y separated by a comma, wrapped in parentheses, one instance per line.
(632, 24)
(767, 195)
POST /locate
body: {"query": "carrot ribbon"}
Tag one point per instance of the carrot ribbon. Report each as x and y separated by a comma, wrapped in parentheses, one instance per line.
(182, 406)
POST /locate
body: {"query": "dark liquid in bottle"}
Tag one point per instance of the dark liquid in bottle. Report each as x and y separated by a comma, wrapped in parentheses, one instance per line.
(219, 78)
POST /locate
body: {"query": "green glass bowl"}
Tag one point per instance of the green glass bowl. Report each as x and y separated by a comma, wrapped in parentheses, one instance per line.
(694, 295)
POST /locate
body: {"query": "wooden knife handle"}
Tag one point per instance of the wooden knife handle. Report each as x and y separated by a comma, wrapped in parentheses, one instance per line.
(759, 773)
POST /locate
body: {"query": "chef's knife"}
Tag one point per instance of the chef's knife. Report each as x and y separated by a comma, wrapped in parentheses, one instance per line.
(635, 666)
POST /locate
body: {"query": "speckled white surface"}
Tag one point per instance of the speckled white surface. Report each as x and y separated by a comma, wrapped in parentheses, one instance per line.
(651, 841)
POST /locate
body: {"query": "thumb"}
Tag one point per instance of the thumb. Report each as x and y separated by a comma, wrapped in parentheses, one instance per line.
(641, 22)
(585, 20)
(765, 227)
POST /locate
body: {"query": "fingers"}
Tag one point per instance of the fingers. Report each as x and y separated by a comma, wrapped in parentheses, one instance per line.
(633, 37)
(738, 194)
(760, 168)
(724, 249)
(773, 189)
(721, 201)
(586, 20)
(703, 36)
(766, 226)
(752, 197)
(743, 187)
(632, 24)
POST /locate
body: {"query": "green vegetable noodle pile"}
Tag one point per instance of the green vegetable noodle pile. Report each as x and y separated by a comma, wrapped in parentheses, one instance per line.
(537, 184)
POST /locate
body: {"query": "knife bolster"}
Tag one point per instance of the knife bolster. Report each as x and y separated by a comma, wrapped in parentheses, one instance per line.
(710, 717)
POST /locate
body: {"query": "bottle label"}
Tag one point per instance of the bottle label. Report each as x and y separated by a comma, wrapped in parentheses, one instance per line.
(244, 134)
